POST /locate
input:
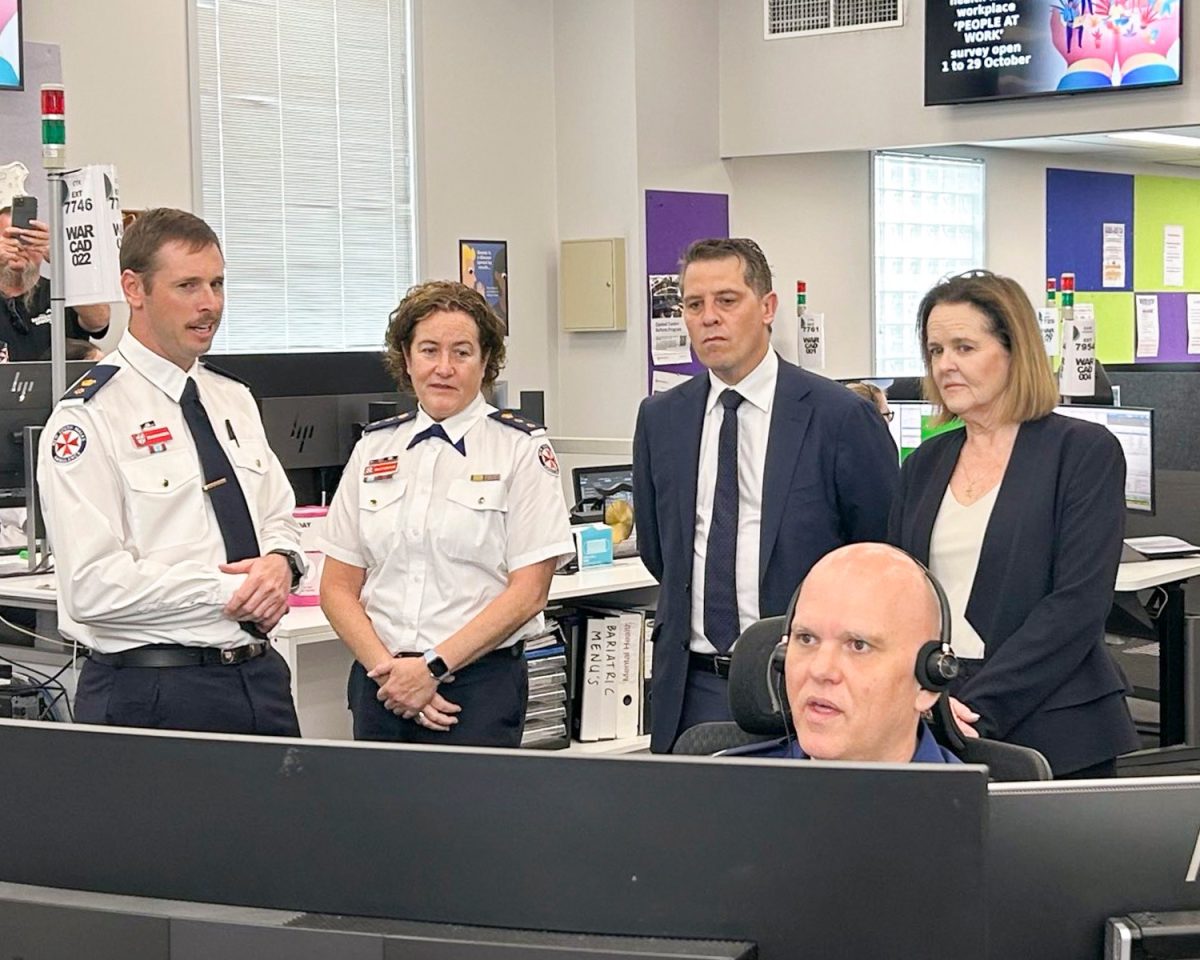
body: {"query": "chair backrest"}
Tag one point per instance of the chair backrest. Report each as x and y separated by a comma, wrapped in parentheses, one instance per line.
(755, 717)
(705, 739)
(1006, 762)
(752, 683)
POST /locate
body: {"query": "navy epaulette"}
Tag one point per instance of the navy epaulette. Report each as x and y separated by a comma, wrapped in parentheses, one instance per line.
(514, 419)
(390, 421)
(225, 373)
(90, 383)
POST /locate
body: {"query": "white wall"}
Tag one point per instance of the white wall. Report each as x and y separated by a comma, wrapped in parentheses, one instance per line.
(865, 89)
(811, 215)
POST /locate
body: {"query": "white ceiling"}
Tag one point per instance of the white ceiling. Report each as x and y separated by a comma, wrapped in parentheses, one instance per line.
(1100, 145)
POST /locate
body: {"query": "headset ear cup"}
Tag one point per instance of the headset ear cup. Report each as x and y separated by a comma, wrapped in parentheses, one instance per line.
(779, 656)
(935, 666)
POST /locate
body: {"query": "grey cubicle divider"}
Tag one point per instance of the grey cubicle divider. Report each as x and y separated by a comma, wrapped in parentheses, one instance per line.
(1063, 857)
(851, 862)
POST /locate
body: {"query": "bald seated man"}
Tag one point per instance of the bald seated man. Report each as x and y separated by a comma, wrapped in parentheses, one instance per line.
(863, 613)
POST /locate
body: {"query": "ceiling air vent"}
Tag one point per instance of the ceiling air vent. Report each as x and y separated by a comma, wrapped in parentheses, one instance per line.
(799, 18)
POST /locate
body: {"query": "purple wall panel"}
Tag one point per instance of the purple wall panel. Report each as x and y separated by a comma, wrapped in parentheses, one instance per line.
(673, 220)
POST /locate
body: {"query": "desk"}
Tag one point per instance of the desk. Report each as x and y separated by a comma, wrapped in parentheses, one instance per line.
(1168, 576)
(320, 662)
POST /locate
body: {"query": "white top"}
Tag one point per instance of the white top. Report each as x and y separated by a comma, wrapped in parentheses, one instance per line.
(136, 542)
(954, 549)
(438, 531)
(754, 426)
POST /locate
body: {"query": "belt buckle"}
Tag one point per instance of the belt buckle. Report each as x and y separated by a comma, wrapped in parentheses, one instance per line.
(227, 656)
(721, 665)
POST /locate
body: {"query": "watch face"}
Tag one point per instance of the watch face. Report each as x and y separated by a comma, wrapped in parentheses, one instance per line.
(437, 666)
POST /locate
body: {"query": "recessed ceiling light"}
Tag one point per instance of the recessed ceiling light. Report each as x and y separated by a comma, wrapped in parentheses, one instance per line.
(1158, 139)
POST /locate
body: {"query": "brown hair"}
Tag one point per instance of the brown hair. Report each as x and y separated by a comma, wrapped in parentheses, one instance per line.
(153, 230)
(1031, 392)
(868, 391)
(442, 296)
(755, 268)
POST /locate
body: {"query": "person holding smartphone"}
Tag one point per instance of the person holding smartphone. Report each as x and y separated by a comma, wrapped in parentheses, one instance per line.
(25, 293)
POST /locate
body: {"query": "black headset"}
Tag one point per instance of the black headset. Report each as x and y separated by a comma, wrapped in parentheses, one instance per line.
(936, 664)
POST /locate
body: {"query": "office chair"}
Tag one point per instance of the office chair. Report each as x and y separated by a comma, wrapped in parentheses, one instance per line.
(752, 700)
(755, 717)
(1006, 762)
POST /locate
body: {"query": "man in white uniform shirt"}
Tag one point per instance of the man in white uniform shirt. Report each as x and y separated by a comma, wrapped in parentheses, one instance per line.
(169, 516)
(743, 477)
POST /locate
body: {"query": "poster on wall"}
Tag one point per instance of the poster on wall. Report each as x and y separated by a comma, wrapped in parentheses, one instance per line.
(999, 49)
(483, 266)
(669, 342)
(12, 61)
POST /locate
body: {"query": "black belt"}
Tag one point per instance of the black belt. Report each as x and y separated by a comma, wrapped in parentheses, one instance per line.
(516, 650)
(174, 655)
(710, 663)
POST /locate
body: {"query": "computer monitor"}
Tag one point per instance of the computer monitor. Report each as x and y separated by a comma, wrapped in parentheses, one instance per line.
(912, 423)
(589, 481)
(26, 399)
(1063, 857)
(1134, 428)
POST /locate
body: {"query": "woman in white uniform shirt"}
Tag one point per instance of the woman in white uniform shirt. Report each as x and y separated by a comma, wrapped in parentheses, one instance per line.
(443, 537)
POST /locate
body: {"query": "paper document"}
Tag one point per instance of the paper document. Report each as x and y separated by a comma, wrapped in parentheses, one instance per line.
(1077, 377)
(1113, 256)
(1147, 325)
(668, 333)
(1193, 322)
(1162, 547)
(1048, 324)
(812, 341)
(663, 380)
(1172, 256)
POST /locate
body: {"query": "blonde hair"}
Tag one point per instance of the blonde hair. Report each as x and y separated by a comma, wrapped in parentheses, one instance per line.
(1031, 392)
(868, 391)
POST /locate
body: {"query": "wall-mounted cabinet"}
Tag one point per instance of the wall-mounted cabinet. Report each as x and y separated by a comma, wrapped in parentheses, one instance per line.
(592, 281)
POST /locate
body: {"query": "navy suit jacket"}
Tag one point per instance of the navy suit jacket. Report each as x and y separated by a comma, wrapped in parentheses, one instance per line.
(1043, 587)
(829, 478)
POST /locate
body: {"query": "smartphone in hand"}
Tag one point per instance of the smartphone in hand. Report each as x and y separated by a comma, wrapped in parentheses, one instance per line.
(24, 212)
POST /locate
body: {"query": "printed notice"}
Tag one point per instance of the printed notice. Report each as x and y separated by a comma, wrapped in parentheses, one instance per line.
(1193, 321)
(1113, 256)
(1077, 378)
(1048, 324)
(812, 341)
(663, 380)
(1172, 256)
(1147, 325)
(668, 332)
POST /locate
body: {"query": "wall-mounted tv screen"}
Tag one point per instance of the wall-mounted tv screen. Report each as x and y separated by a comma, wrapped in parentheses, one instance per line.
(12, 74)
(999, 49)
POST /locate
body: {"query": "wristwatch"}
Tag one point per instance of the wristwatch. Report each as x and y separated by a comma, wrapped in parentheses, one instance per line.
(295, 564)
(437, 666)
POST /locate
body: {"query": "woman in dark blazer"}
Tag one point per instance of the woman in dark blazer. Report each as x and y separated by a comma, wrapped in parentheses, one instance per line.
(1021, 514)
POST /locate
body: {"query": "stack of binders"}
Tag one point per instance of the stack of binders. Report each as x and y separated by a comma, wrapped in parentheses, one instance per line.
(546, 716)
(610, 678)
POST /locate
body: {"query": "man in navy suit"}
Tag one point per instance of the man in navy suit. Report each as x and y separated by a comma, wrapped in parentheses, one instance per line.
(744, 477)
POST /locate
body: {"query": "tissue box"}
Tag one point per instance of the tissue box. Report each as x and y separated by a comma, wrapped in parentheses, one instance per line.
(593, 545)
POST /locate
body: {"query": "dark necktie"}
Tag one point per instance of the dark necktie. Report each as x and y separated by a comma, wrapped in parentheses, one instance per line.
(720, 561)
(221, 485)
(437, 431)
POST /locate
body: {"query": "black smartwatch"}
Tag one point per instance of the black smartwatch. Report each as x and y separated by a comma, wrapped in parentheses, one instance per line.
(437, 666)
(295, 564)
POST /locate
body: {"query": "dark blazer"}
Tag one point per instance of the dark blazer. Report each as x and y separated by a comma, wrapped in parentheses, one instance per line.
(829, 478)
(1043, 587)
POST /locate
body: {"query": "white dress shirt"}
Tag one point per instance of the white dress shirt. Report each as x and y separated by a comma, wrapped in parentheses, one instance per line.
(954, 549)
(136, 543)
(754, 427)
(438, 532)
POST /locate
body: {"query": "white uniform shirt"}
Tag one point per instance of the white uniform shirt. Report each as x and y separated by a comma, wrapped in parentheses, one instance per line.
(136, 543)
(754, 426)
(954, 548)
(438, 532)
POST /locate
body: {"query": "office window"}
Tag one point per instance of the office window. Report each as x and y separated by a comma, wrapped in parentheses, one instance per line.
(305, 150)
(928, 223)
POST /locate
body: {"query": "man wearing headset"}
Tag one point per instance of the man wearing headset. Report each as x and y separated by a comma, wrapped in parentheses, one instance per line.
(864, 660)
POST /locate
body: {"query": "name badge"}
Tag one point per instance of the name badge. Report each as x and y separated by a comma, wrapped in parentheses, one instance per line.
(484, 477)
(156, 438)
(382, 469)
